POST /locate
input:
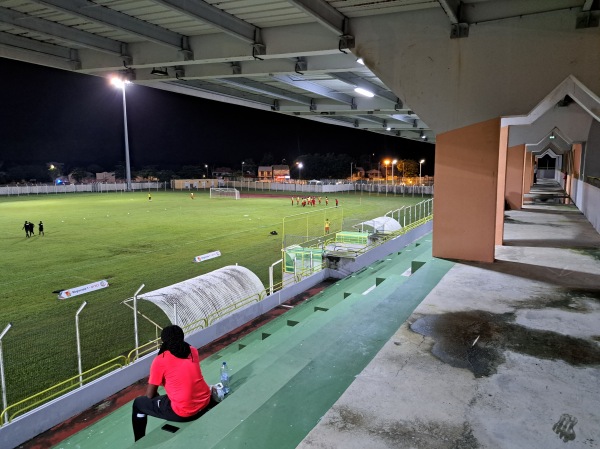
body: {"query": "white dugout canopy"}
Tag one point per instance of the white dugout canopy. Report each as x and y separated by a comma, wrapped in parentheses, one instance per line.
(211, 296)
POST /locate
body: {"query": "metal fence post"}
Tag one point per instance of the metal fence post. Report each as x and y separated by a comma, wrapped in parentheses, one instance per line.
(135, 321)
(79, 342)
(271, 275)
(2, 379)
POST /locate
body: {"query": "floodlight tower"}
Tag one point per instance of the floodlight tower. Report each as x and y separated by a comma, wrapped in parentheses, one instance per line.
(120, 83)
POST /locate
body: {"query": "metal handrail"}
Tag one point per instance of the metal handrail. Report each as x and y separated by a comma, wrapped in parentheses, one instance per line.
(63, 387)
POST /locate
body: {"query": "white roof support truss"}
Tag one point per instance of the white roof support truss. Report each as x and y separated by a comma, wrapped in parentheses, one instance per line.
(118, 21)
(63, 33)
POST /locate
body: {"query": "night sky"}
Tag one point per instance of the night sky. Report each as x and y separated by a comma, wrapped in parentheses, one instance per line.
(50, 115)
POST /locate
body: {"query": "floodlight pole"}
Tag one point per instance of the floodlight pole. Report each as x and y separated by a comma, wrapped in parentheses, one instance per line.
(2, 379)
(135, 321)
(127, 163)
(79, 342)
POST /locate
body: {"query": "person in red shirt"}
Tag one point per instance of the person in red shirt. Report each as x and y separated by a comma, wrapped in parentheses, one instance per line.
(177, 368)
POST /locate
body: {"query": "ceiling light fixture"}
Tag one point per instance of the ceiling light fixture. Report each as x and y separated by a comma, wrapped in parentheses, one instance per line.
(160, 72)
(364, 92)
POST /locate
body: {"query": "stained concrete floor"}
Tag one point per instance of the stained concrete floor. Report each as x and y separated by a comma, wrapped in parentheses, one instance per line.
(497, 356)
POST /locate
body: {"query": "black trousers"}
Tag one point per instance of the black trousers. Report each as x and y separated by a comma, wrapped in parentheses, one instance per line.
(159, 407)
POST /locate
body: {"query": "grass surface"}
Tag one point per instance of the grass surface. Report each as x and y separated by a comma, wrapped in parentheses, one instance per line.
(129, 241)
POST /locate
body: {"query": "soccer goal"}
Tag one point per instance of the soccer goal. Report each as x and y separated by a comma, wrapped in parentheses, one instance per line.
(224, 192)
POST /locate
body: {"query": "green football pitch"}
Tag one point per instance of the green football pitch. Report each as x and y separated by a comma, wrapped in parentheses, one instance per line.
(128, 241)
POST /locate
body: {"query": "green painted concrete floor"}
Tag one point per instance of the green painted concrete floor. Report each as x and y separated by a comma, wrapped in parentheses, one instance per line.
(288, 373)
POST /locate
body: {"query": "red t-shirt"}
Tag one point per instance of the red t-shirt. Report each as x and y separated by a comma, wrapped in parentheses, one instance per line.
(183, 380)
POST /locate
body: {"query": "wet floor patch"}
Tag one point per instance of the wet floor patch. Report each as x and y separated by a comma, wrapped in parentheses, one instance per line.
(595, 253)
(476, 340)
(578, 300)
(416, 434)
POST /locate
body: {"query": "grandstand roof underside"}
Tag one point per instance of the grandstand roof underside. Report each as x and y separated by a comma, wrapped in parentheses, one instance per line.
(293, 57)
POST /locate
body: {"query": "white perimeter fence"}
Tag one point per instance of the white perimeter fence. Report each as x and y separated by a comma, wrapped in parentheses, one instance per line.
(42, 189)
(243, 186)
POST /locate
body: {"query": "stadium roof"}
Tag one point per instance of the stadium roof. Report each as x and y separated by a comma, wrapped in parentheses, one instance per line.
(289, 56)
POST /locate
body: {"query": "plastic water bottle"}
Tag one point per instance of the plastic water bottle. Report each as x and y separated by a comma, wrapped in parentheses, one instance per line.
(225, 374)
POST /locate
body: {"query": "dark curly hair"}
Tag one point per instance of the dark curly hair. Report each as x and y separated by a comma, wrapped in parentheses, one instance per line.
(172, 337)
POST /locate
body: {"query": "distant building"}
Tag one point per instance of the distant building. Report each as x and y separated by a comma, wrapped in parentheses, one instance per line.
(360, 172)
(281, 172)
(222, 172)
(265, 173)
(273, 172)
(106, 177)
(373, 174)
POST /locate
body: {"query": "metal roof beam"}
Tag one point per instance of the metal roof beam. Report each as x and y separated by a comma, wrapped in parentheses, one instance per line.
(587, 6)
(325, 14)
(371, 118)
(118, 21)
(452, 10)
(314, 88)
(221, 48)
(62, 32)
(265, 89)
(357, 81)
(185, 88)
(214, 16)
(223, 91)
(24, 43)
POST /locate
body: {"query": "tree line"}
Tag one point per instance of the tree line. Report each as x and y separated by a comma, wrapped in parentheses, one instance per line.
(314, 166)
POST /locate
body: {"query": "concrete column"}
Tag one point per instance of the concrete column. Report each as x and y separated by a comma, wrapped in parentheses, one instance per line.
(515, 164)
(501, 187)
(576, 150)
(528, 170)
(465, 202)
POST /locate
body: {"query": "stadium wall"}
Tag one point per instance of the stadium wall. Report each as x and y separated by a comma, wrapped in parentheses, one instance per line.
(31, 424)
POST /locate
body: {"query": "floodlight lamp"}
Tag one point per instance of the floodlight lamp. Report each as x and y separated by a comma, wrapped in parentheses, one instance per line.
(119, 82)
(360, 61)
(422, 161)
(364, 92)
(422, 135)
(552, 136)
(389, 128)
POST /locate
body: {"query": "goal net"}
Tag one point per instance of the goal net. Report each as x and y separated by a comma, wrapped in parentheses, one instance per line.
(224, 192)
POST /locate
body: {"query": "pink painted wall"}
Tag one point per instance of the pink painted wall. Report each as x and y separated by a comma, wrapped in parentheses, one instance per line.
(515, 163)
(465, 201)
(502, 155)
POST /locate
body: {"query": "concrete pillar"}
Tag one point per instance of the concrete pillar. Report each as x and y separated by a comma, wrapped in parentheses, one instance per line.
(528, 170)
(465, 202)
(576, 150)
(501, 187)
(515, 164)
